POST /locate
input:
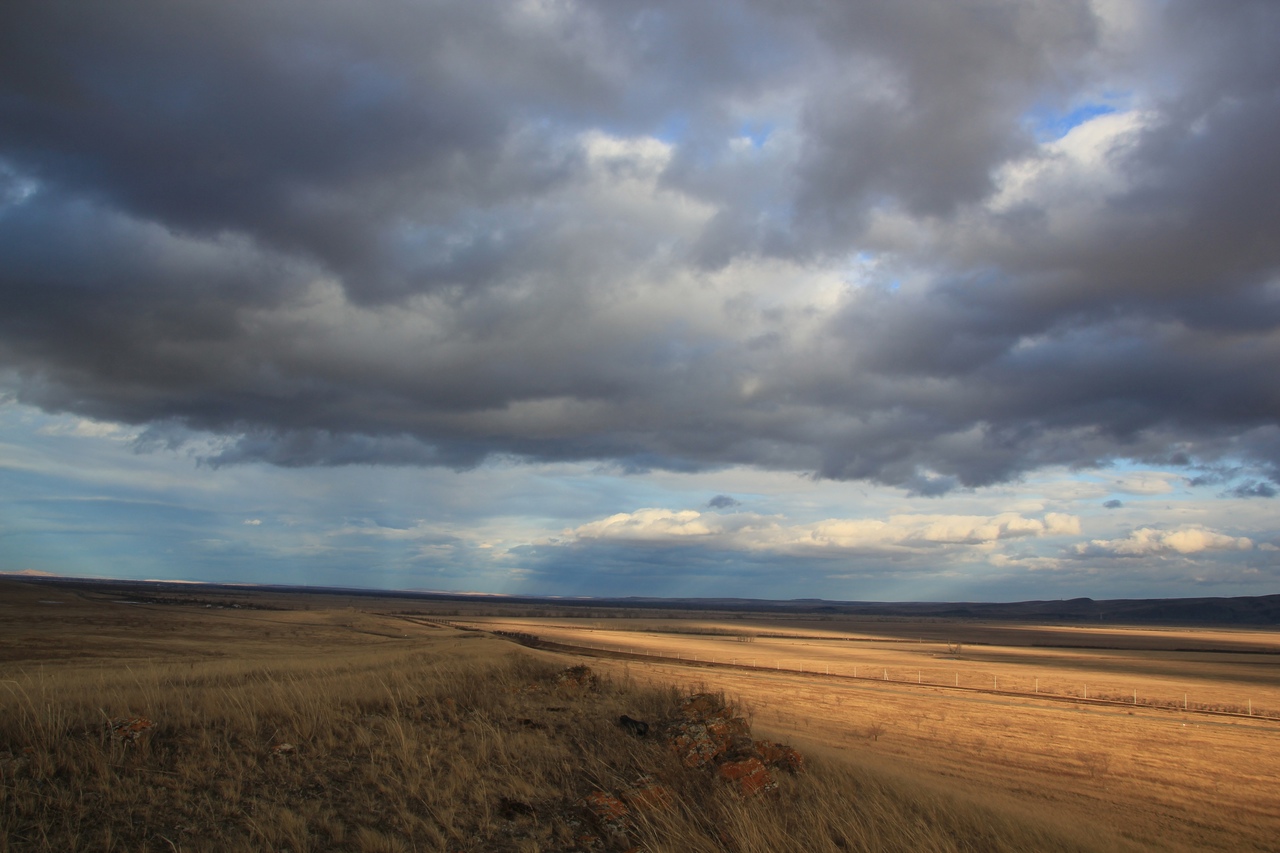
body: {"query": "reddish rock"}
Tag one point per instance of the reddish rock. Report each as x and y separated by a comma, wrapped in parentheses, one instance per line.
(748, 776)
(705, 732)
(780, 755)
(732, 731)
(693, 744)
(704, 729)
(610, 814)
(647, 794)
(701, 705)
(129, 729)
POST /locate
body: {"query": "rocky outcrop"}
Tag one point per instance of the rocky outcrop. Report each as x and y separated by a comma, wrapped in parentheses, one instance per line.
(748, 775)
(704, 729)
(780, 756)
(610, 815)
(706, 732)
(708, 736)
(647, 794)
(612, 819)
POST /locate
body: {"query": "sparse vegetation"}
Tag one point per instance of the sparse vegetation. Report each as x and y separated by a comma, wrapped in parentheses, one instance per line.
(411, 751)
(344, 728)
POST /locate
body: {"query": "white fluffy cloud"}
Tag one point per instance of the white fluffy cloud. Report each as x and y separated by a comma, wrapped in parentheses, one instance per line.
(747, 531)
(646, 525)
(1145, 483)
(1148, 541)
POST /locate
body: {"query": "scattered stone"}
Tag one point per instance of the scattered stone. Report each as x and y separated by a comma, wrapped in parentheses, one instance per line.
(781, 756)
(127, 730)
(589, 842)
(283, 749)
(610, 814)
(639, 728)
(532, 724)
(647, 794)
(748, 776)
(578, 676)
(701, 705)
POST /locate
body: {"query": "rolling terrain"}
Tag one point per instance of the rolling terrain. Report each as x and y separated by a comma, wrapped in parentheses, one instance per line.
(953, 733)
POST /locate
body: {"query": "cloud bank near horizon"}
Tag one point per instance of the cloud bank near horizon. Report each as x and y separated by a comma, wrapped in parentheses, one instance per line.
(79, 498)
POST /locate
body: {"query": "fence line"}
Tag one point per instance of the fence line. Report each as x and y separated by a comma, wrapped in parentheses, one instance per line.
(1130, 699)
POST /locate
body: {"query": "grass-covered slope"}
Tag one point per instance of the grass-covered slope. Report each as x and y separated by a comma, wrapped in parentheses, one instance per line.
(491, 751)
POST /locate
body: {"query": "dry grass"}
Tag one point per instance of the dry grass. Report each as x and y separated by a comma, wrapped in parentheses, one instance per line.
(415, 755)
(409, 752)
(341, 733)
(1231, 671)
(1163, 779)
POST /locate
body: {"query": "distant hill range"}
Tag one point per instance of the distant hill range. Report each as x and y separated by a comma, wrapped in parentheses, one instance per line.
(1260, 610)
(1252, 610)
(1245, 610)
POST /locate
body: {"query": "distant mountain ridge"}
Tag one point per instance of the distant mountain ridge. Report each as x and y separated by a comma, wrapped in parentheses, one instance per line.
(1242, 610)
(1261, 610)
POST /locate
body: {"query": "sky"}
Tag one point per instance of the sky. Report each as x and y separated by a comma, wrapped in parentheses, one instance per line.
(911, 300)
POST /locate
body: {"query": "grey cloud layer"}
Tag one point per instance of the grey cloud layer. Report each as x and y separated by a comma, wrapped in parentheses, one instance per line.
(825, 238)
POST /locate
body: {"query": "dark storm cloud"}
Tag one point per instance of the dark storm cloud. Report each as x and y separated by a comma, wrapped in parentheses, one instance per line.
(723, 502)
(933, 103)
(1253, 489)
(425, 233)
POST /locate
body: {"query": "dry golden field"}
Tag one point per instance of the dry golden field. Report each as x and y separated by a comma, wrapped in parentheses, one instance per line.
(408, 733)
(883, 694)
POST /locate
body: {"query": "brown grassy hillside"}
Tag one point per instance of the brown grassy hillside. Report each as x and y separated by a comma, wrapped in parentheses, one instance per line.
(349, 731)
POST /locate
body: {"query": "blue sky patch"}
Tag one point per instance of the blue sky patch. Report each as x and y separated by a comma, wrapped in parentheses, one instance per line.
(1048, 125)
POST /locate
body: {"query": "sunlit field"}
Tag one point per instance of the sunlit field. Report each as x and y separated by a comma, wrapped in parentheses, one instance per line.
(1082, 722)
(1202, 669)
(312, 722)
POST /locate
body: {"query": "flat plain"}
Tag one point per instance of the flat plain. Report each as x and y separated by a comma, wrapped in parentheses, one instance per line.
(1086, 723)
(1098, 737)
